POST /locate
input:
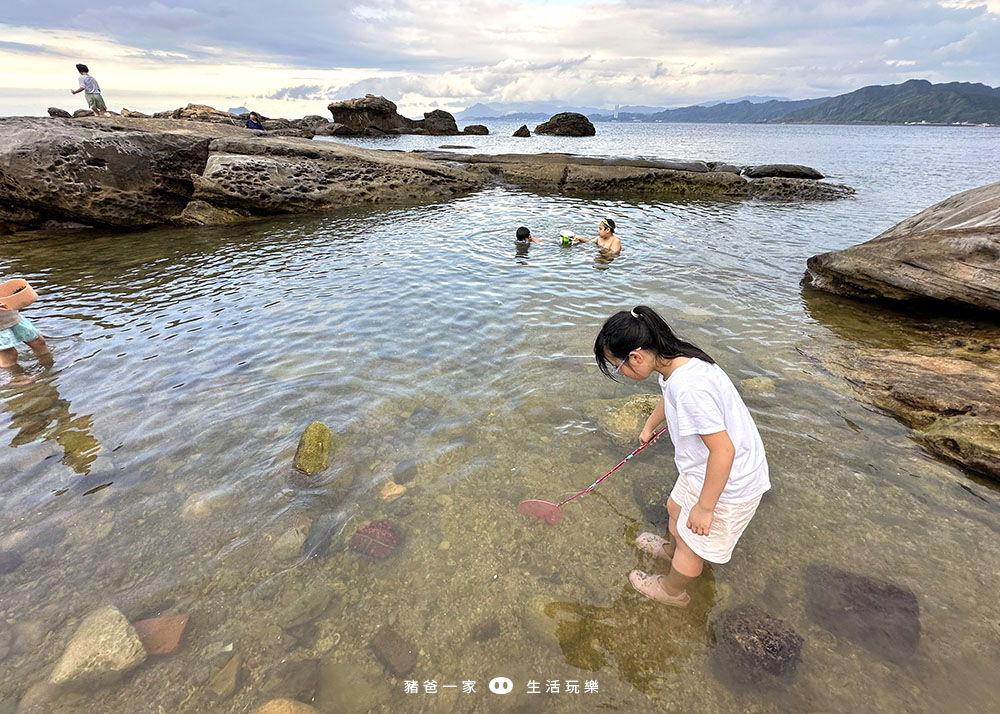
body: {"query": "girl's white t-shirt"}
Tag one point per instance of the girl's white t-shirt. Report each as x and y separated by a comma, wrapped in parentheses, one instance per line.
(699, 398)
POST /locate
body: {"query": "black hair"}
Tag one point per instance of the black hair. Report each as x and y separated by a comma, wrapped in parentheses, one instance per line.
(82, 68)
(626, 331)
(523, 233)
(609, 223)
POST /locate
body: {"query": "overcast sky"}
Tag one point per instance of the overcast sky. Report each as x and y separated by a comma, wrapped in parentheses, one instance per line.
(291, 58)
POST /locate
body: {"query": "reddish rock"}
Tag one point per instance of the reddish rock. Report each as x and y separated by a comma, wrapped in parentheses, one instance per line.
(161, 635)
(398, 654)
(377, 540)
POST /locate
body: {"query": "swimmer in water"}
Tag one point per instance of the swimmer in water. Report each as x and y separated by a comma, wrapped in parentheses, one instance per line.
(606, 239)
(523, 235)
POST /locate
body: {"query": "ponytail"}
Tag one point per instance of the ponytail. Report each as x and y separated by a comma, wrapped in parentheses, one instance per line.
(640, 328)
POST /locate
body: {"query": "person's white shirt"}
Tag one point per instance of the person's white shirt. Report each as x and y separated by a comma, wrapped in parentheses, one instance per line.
(699, 398)
(89, 85)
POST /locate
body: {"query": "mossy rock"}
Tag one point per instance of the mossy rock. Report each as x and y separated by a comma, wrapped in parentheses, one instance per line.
(622, 420)
(313, 454)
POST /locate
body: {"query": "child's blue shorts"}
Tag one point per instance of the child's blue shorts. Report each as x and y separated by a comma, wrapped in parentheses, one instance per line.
(23, 331)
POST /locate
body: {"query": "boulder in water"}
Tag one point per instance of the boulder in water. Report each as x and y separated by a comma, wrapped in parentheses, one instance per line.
(103, 648)
(877, 614)
(752, 646)
(783, 171)
(522, 132)
(313, 455)
(567, 124)
(477, 129)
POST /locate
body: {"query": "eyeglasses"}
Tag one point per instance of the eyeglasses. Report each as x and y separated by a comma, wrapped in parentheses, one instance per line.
(622, 363)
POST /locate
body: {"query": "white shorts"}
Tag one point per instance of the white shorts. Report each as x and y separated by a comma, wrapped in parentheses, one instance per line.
(728, 522)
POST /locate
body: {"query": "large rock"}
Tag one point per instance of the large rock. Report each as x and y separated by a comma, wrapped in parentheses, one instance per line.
(947, 252)
(203, 112)
(751, 645)
(476, 129)
(368, 111)
(98, 172)
(313, 453)
(567, 124)
(954, 402)
(102, 650)
(567, 173)
(522, 132)
(254, 176)
(57, 112)
(439, 123)
(783, 171)
(879, 615)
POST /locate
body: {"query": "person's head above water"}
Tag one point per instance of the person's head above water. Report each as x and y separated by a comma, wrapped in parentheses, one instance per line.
(639, 329)
(608, 225)
(523, 234)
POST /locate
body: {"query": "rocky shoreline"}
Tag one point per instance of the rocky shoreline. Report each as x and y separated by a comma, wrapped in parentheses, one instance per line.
(200, 167)
(946, 261)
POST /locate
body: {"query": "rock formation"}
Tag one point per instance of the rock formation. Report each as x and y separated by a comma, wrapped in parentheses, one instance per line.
(476, 129)
(782, 171)
(523, 132)
(567, 124)
(127, 173)
(948, 252)
(566, 173)
(368, 113)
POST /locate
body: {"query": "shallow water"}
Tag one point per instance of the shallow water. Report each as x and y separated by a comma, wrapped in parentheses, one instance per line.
(151, 466)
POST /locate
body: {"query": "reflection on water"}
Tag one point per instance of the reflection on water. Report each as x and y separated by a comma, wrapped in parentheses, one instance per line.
(459, 368)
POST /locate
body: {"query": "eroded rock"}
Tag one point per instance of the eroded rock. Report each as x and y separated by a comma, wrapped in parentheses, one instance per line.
(567, 124)
(750, 645)
(783, 171)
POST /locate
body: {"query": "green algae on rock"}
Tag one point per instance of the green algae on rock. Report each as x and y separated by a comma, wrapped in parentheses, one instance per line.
(313, 455)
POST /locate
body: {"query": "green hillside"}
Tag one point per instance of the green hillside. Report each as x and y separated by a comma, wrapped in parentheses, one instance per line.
(914, 101)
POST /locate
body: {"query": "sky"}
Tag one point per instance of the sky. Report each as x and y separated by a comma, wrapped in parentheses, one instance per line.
(292, 58)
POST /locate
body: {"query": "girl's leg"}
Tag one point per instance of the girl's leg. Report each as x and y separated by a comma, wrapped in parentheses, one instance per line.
(686, 565)
(8, 357)
(38, 346)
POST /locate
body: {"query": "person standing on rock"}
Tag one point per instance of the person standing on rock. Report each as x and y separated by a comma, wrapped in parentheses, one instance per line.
(606, 239)
(722, 470)
(92, 91)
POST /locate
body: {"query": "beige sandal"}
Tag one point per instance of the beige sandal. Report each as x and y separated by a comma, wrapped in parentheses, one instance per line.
(654, 545)
(649, 585)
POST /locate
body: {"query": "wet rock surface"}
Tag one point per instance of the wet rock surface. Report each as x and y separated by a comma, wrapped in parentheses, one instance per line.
(377, 540)
(783, 171)
(751, 646)
(953, 402)
(567, 124)
(398, 654)
(948, 252)
(879, 615)
(161, 635)
(313, 453)
(103, 648)
(569, 174)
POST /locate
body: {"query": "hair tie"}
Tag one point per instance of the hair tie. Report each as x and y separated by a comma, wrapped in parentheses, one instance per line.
(632, 313)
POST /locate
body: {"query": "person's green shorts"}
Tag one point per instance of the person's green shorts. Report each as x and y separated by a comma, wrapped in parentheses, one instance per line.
(95, 102)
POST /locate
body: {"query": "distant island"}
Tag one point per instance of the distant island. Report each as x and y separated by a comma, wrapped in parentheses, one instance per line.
(916, 101)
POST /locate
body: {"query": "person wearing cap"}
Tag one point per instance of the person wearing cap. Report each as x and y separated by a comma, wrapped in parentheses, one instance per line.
(606, 239)
(523, 235)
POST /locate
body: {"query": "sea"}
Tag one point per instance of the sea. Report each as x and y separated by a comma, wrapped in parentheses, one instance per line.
(151, 466)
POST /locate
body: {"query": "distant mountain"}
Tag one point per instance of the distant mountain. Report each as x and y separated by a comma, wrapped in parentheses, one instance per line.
(914, 101)
(753, 99)
(744, 112)
(239, 110)
(522, 111)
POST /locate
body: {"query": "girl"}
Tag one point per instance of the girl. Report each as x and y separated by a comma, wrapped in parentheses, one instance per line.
(721, 467)
(15, 329)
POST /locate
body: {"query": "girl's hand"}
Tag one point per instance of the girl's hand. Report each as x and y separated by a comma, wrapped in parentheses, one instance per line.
(646, 435)
(700, 520)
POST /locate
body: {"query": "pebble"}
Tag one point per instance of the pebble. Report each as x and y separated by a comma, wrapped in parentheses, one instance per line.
(444, 545)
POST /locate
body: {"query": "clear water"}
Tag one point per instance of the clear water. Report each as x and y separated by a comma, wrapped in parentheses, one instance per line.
(151, 466)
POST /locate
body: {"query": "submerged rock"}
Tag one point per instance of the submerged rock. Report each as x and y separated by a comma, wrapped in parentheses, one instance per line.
(377, 540)
(879, 615)
(161, 635)
(948, 252)
(313, 453)
(567, 124)
(285, 706)
(306, 608)
(394, 651)
(622, 420)
(227, 680)
(751, 644)
(103, 648)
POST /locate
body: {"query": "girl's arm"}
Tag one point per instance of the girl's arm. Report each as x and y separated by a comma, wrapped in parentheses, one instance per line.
(721, 453)
(655, 419)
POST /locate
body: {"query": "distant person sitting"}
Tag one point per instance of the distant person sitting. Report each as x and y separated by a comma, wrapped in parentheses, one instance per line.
(523, 235)
(92, 91)
(254, 122)
(606, 239)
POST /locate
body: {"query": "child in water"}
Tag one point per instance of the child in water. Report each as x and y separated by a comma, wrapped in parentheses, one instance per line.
(15, 329)
(721, 467)
(606, 239)
(523, 235)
